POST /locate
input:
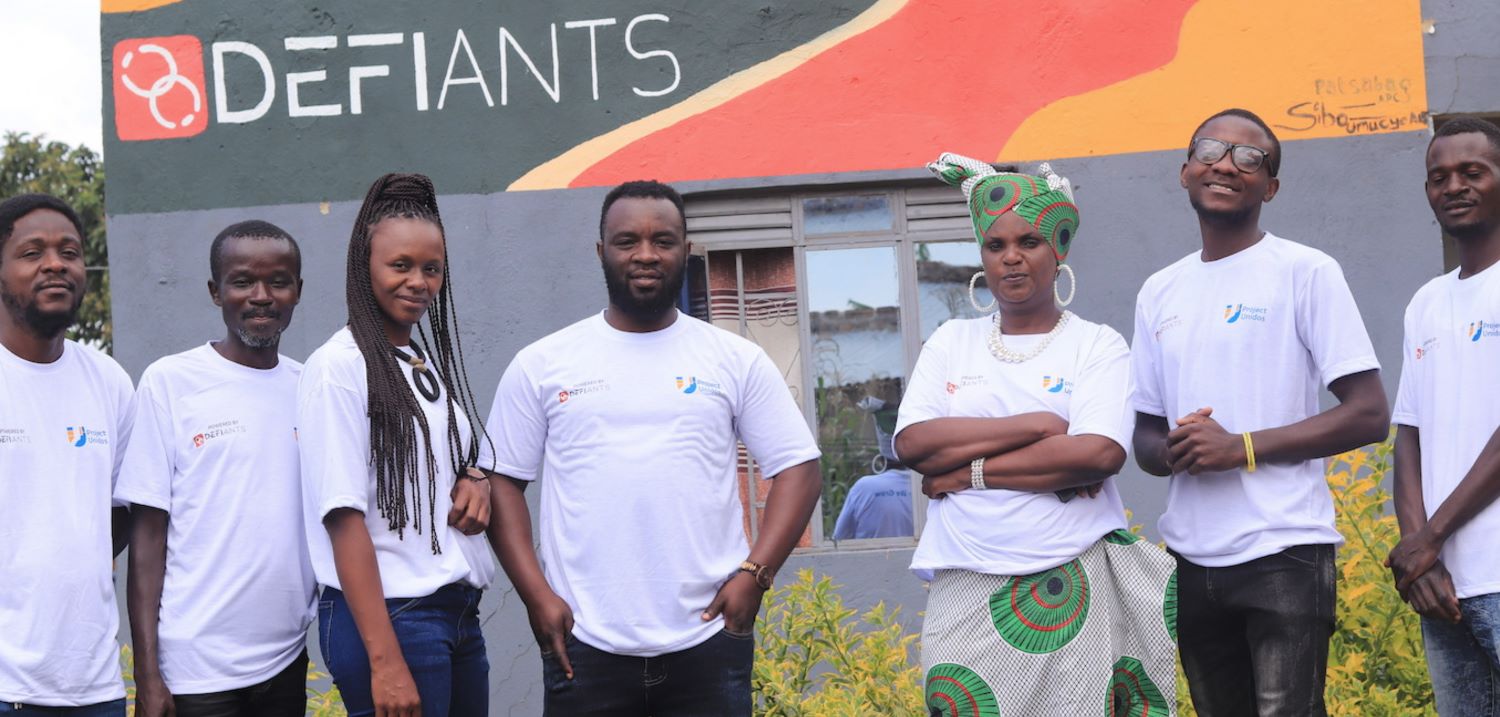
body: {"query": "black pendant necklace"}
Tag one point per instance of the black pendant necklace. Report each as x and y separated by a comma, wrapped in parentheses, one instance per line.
(427, 383)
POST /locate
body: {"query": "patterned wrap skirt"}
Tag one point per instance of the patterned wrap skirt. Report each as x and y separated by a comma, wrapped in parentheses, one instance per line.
(1096, 636)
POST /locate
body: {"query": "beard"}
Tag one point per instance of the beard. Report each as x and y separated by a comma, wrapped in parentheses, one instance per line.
(647, 308)
(1222, 218)
(265, 340)
(45, 324)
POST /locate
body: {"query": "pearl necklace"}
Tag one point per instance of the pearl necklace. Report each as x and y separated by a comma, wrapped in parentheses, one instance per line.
(1004, 354)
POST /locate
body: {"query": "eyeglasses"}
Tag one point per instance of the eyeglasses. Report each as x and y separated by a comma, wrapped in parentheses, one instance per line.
(1246, 158)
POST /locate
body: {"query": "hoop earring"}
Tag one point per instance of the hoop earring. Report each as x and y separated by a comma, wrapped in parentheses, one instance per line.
(1072, 285)
(975, 302)
(878, 464)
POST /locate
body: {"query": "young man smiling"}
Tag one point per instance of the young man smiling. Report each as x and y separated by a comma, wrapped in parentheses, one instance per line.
(1447, 442)
(1232, 343)
(64, 422)
(221, 590)
(650, 592)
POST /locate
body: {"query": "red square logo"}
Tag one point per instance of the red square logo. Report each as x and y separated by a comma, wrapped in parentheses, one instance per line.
(159, 89)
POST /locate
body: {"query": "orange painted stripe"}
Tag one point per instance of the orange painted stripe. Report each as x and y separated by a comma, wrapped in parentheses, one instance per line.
(113, 6)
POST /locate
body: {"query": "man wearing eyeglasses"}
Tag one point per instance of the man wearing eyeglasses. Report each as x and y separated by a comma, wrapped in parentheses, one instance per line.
(1232, 344)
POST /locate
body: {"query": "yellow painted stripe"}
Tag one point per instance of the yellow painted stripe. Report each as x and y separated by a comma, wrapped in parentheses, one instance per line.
(558, 172)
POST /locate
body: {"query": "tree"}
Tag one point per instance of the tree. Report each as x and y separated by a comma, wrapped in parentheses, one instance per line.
(75, 174)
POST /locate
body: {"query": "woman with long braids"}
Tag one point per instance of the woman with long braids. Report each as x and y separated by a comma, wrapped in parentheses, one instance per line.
(1040, 602)
(389, 435)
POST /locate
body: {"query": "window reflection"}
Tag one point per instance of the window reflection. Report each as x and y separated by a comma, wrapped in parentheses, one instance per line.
(943, 273)
(858, 368)
(840, 215)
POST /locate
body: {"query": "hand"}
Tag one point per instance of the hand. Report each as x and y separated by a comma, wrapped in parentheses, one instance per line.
(394, 691)
(738, 600)
(1092, 490)
(152, 698)
(1200, 445)
(1412, 557)
(938, 486)
(1432, 595)
(551, 624)
(471, 505)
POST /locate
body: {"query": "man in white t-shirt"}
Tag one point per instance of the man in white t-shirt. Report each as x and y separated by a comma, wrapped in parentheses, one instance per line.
(221, 591)
(646, 592)
(1447, 442)
(64, 422)
(1232, 344)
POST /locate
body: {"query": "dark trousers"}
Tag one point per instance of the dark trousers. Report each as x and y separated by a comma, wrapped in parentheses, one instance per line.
(113, 708)
(711, 679)
(284, 695)
(1254, 637)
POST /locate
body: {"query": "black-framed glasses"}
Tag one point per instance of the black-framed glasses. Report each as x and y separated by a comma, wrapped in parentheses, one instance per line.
(1246, 158)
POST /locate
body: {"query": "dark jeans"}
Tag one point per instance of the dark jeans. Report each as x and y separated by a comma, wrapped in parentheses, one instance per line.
(1464, 659)
(103, 709)
(440, 640)
(1254, 637)
(707, 680)
(284, 695)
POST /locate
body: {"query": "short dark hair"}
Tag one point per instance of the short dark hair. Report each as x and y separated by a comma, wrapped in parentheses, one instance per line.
(11, 211)
(1465, 125)
(248, 229)
(1273, 158)
(642, 189)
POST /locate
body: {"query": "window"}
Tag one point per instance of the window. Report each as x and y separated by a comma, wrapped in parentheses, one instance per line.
(840, 288)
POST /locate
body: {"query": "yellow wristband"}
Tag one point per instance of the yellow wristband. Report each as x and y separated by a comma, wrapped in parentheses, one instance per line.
(1249, 453)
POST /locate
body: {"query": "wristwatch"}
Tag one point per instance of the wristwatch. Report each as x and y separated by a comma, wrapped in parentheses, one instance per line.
(763, 574)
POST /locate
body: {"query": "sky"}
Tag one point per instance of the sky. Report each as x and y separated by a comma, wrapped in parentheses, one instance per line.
(49, 70)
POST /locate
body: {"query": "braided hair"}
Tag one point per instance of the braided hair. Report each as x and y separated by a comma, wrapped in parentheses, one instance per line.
(395, 416)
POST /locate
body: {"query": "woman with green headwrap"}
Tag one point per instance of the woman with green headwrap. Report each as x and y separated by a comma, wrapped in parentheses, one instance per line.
(1041, 602)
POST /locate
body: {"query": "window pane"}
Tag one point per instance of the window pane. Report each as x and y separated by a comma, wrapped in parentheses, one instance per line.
(842, 215)
(859, 371)
(943, 273)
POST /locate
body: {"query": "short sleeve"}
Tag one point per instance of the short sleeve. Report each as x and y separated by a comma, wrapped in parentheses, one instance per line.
(768, 421)
(125, 412)
(1098, 405)
(150, 459)
(849, 516)
(516, 425)
(1406, 412)
(1145, 366)
(333, 440)
(927, 396)
(1329, 324)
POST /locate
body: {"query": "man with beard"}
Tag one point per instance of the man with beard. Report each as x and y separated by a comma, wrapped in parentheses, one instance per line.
(649, 593)
(1232, 344)
(64, 421)
(212, 476)
(1447, 442)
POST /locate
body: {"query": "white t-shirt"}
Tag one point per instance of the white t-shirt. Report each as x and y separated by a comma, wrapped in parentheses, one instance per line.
(1253, 335)
(334, 428)
(878, 506)
(215, 446)
(1083, 376)
(1450, 391)
(63, 430)
(635, 435)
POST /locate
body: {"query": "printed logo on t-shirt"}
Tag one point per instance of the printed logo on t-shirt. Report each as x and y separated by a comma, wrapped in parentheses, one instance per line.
(582, 389)
(13, 436)
(1426, 348)
(693, 384)
(965, 382)
(1481, 329)
(1167, 324)
(1057, 384)
(1234, 313)
(79, 437)
(220, 430)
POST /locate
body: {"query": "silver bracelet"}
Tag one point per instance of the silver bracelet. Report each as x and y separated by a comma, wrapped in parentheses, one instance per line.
(976, 475)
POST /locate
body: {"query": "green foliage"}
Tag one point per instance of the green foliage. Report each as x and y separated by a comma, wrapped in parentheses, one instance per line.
(816, 659)
(75, 174)
(319, 703)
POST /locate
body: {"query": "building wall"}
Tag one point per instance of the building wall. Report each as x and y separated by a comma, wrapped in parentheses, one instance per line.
(769, 94)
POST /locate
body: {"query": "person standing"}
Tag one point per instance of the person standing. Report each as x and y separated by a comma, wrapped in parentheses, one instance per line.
(1448, 431)
(221, 591)
(1232, 343)
(65, 415)
(645, 596)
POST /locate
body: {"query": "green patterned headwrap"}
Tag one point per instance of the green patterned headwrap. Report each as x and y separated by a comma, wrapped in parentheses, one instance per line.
(1045, 202)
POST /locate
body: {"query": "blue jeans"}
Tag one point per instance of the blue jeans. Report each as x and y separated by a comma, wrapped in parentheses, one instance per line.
(1464, 659)
(1254, 636)
(440, 640)
(103, 709)
(711, 679)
